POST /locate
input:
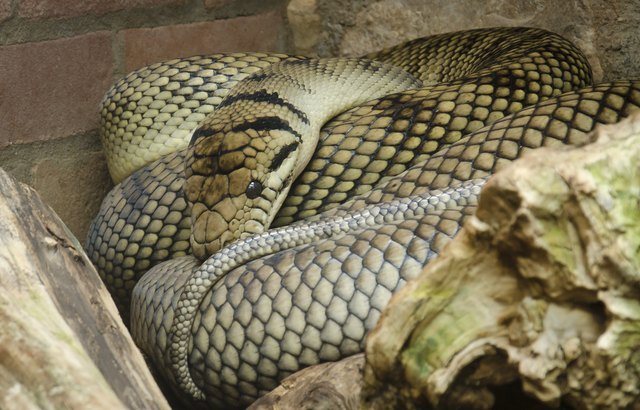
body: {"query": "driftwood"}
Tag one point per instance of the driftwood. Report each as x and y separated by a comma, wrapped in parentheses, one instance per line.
(540, 291)
(328, 386)
(62, 343)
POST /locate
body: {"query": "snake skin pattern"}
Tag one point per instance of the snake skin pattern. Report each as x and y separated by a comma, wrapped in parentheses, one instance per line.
(145, 219)
(312, 301)
(153, 111)
(242, 161)
(236, 332)
(256, 324)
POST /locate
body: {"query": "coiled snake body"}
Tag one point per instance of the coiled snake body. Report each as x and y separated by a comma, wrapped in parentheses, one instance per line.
(383, 191)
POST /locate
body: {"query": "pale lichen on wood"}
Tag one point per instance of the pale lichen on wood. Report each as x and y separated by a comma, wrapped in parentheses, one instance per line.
(62, 343)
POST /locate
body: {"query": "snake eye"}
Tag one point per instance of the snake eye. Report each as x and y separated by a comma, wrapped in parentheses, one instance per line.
(254, 189)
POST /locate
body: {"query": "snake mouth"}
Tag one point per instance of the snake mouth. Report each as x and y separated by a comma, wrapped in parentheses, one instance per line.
(237, 217)
(235, 203)
(213, 229)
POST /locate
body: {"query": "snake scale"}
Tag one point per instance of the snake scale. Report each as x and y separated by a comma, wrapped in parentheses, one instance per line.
(388, 185)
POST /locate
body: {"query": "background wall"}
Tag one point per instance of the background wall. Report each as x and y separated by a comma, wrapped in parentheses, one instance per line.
(58, 57)
(607, 31)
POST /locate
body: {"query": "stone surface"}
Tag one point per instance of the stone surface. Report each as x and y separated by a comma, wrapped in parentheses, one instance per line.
(381, 24)
(216, 4)
(70, 8)
(253, 33)
(605, 31)
(51, 89)
(305, 24)
(5, 9)
(617, 40)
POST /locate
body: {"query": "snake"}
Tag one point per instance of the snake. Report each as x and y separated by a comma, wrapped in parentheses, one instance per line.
(226, 315)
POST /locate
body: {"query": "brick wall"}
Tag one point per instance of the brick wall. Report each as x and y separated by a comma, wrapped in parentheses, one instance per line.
(58, 57)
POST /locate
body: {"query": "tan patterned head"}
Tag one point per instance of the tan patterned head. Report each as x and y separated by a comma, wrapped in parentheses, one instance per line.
(244, 158)
(240, 179)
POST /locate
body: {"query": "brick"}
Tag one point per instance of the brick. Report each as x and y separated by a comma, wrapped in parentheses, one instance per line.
(52, 89)
(5, 9)
(255, 33)
(74, 186)
(42, 9)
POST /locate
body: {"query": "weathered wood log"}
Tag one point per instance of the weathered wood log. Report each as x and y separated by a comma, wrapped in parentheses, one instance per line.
(540, 290)
(62, 343)
(328, 386)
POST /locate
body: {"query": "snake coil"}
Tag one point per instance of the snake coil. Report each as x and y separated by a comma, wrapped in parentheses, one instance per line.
(388, 184)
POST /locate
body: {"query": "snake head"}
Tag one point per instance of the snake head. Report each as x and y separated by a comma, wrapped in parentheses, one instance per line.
(236, 181)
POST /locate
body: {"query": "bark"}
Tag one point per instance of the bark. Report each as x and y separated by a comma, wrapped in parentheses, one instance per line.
(62, 343)
(539, 291)
(328, 386)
